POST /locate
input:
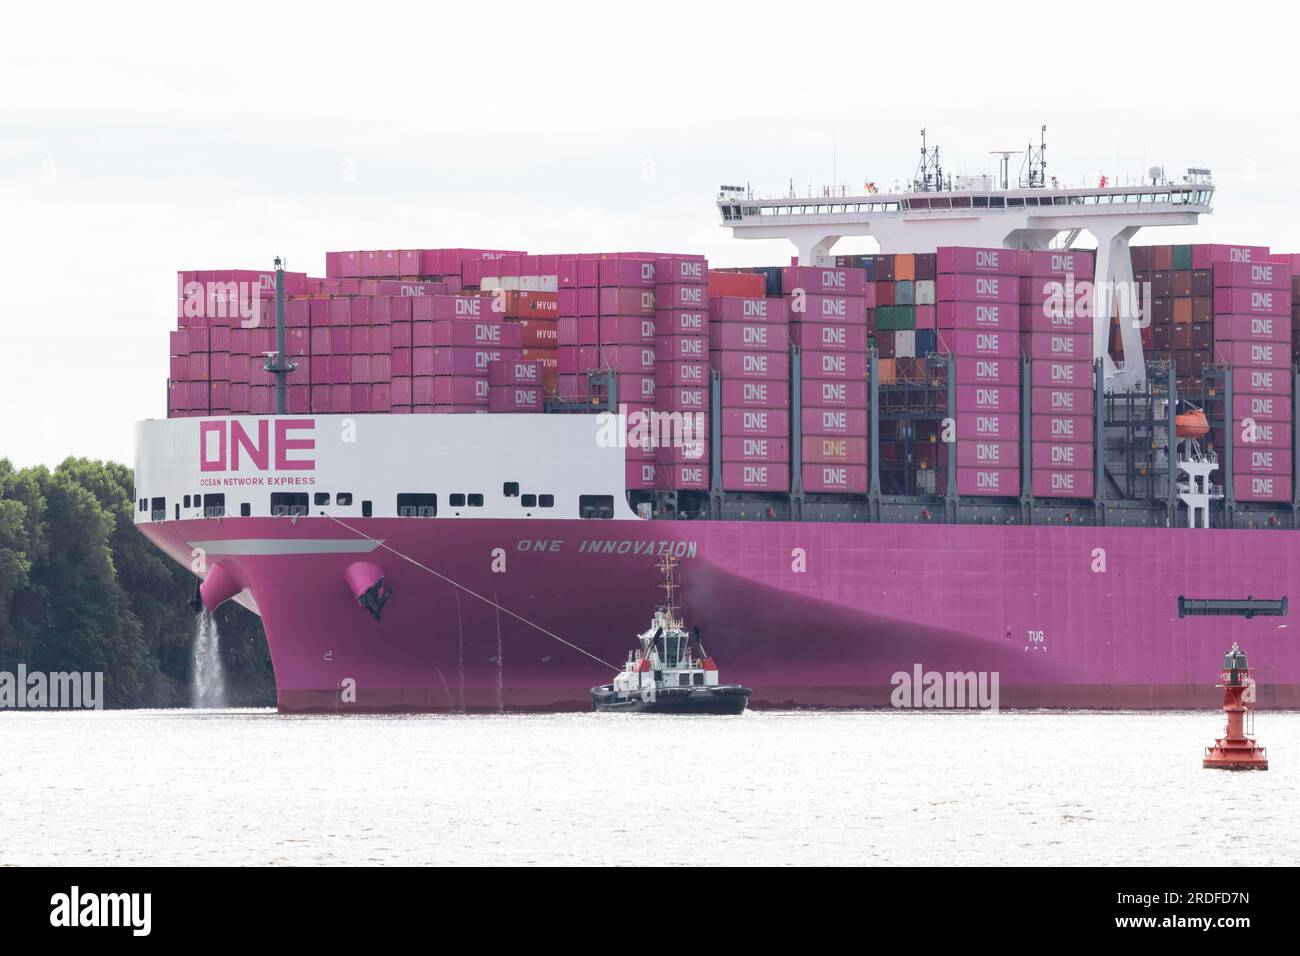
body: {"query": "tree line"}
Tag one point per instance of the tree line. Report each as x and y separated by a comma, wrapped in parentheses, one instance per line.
(82, 590)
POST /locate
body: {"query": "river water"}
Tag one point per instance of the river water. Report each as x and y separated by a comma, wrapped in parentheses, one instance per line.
(253, 787)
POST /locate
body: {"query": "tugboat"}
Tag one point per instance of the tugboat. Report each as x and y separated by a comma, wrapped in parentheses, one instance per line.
(663, 675)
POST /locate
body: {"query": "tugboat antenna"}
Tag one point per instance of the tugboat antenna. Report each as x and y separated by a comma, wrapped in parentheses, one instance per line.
(666, 565)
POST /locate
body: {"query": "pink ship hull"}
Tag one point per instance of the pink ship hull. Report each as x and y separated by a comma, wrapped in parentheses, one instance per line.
(1031, 603)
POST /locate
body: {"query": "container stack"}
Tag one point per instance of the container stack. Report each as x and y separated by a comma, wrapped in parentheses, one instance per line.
(515, 385)
(678, 327)
(749, 337)
(466, 336)
(977, 312)
(1252, 333)
(828, 320)
(1056, 333)
(578, 324)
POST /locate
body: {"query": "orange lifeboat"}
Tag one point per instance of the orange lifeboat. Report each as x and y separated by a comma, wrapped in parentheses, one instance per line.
(1191, 424)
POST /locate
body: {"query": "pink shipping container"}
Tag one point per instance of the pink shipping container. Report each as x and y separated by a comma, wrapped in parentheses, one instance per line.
(1229, 301)
(1254, 354)
(678, 296)
(514, 372)
(1061, 483)
(626, 272)
(1261, 381)
(988, 398)
(986, 481)
(976, 315)
(515, 398)
(633, 359)
(683, 399)
(971, 288)
(1061, 455)
(507, 335)
(1259, 275)
(401, 390)
(1275, 408)
(771, 423)
(848, 422)
(680, 373)
(624, 301)
(926, 317)
(745, 394)
(1040, 318)
(1246, 460)
(973, 343)
(680, 322)
(686, 477)
(1062, 374)
(830, 394)
(1045, 400)
(829, 337)
(835, 479)
(985, 454)
(422, 390)
(1061, 346)
(1263, 435)
(460, 390)
(971, 260)
(833, 365)
(820, 280)
(755, 477)
(693, 348)
(466, 361)
(834, 450)
(683, 269)
(741, 364)
(640, 475)
(748, 335)
(973, 426)
(738, 309)
(1204, 255)
(1061, 428)
(623, 329)
(851, 310)
(1261, 487)
(987, 371)
(1252, 328)
(1056, 262)
(754, 448)
(637, 388)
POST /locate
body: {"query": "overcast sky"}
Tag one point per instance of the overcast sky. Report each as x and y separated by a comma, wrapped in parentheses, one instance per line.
(136, 144)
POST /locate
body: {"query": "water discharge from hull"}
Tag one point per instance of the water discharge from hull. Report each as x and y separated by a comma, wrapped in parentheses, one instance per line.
(207, 677)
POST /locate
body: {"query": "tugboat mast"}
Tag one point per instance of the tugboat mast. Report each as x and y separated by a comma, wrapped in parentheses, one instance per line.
(666, 565)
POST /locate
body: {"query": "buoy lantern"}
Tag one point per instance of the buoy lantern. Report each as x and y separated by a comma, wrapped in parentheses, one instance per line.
(1237, 749)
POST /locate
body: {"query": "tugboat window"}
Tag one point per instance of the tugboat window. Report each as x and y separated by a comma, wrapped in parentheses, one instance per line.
(596, 506)
(528, 501)
(418, 506)
(510, 489)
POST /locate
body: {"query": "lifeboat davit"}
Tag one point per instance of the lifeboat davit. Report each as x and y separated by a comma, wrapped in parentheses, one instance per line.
(1192, 424)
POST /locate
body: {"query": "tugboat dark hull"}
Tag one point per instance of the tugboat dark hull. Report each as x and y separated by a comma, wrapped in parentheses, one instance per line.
(725, 699)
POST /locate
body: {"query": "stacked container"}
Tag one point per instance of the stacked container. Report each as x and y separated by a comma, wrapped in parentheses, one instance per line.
(464, 335)
(1056, 333)
(977, 314)
(1252, 333)
(828, 320)
(678, 328)
(749, 347)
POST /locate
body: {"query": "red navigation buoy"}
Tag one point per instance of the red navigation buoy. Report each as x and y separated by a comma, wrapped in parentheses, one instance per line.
(1237, 749)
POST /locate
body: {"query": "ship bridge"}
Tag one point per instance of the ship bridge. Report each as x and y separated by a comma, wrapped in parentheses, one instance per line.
(979, 214)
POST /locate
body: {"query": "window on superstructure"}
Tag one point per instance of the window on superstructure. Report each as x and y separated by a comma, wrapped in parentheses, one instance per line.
(596, 506)
(367, 508)
(456, 500)
(187, 501)
(476, 501)
(546, 501)
(245, 509)
(343, 499)
(288, 504)
(214, 506)
(158, 509)
(412, 505)
(321, 498)
(528, 501)
(510, 489)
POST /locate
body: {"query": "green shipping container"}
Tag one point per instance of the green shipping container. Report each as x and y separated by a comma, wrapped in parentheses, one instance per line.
(1183, 257)
(895, 318)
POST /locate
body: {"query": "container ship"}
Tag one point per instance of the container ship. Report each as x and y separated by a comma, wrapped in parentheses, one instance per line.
(444, 477)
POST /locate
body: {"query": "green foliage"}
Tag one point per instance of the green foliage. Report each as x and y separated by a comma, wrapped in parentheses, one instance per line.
(81, 589)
